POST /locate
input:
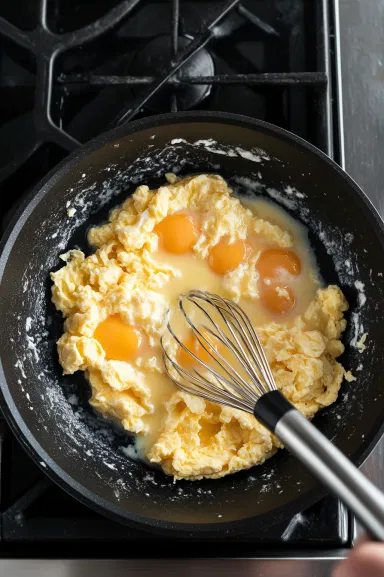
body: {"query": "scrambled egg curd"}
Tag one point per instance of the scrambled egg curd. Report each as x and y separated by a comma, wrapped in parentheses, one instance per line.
(193, 233)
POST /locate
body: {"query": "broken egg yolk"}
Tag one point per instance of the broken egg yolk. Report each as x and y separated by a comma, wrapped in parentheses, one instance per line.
(277, 261)
(192, 343)
(120, 341)
(278, 299)
(177, 233)
(224, 257)
(273, 263)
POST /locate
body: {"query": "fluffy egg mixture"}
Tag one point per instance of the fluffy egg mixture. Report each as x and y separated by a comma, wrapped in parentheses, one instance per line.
(188, 234)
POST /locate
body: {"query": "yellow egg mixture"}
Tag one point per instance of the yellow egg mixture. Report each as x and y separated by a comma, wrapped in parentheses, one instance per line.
(189, 234)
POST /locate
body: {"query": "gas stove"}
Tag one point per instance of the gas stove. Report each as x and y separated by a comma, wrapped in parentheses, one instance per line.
(70, 70)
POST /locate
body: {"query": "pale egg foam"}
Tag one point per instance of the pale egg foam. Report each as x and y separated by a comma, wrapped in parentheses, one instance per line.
(188, 234)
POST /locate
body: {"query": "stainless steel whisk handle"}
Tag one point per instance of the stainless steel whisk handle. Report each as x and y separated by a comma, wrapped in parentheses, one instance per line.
(324, 460)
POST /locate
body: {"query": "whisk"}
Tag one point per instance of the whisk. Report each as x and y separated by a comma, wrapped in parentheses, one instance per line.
(238, 375)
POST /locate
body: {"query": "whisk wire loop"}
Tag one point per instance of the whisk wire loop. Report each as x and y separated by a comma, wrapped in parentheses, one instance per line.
(221, 337)
(230, 386)
(219, 380)
(235, 318)
(201, 386)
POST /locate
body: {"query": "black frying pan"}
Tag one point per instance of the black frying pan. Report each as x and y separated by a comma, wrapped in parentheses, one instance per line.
(49, 413)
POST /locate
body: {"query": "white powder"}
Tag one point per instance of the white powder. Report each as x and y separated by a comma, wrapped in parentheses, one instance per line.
(248, 155)
(130, 451)
(249, 184)
(282, 199)
(359, 336)
(291, 191)
(212, 146)
(256, 155)
(362, 299)
(19, 365)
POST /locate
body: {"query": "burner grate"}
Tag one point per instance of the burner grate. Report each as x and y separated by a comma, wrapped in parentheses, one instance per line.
(48, 47)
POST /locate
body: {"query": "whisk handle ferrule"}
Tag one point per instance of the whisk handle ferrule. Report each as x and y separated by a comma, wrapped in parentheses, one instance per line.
(324, 460)
(270, 408)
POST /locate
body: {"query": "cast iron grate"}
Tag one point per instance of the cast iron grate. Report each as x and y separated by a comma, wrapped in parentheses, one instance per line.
(50, 48)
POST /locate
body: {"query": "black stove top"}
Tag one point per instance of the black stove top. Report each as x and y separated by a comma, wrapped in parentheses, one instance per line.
(70, 70)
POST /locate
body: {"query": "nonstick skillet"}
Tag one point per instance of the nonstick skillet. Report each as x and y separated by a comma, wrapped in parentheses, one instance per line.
(91, 458)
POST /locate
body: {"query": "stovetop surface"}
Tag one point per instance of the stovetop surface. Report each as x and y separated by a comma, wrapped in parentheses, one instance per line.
(70, 70)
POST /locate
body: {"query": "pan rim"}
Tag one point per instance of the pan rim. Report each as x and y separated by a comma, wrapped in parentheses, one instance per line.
(9, 409)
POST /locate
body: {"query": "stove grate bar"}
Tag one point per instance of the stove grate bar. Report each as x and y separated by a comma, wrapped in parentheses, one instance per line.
(280, 78)
(98, 27)
(46, 46)
(15, 513)
(199, 42)
(251, 17)
(13, 33)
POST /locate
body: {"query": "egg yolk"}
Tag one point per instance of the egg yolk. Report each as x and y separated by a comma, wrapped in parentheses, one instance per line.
(192, 343)
(224, 257)
(177, 233)
(276, 261)
(278, 299)
(121, 342)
